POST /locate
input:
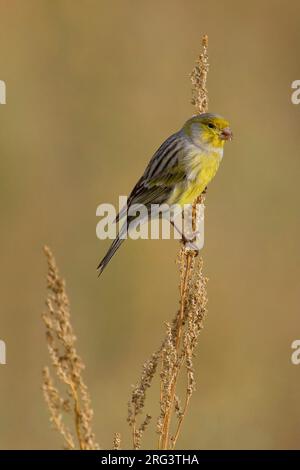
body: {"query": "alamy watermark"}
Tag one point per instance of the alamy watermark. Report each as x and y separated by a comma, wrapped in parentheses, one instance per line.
(2, 92)
(295, 98)
(155, 221)
(2, 352)
(295, 356)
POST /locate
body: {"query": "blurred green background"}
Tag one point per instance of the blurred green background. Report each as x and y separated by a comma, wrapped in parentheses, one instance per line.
(92, 89)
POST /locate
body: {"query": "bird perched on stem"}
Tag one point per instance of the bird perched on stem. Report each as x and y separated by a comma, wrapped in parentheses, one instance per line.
(180, 169)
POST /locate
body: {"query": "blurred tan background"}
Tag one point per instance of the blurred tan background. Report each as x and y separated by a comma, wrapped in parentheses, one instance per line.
(92, 89)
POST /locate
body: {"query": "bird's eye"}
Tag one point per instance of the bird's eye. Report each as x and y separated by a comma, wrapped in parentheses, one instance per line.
(211, 126)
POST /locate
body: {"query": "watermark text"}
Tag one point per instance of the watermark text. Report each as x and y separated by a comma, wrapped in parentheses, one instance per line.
(2, 92)
(2, 352)
(295, 98)
(154, 221)
(295, 357)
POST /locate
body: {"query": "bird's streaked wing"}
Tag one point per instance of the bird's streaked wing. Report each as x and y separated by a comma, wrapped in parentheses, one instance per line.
(162, 173)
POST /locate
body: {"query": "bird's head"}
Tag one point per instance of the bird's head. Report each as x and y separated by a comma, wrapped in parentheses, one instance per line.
(208, 129)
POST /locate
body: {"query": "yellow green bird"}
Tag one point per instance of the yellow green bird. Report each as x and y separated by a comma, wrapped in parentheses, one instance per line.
(180, 169)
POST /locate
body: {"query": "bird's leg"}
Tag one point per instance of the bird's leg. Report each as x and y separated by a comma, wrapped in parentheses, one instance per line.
(176, 228)
(183, 237)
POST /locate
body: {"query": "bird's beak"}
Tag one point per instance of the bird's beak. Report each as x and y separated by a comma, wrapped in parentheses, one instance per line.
(226, 134)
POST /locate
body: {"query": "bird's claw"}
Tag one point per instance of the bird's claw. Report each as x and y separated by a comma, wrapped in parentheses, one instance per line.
(192, 239)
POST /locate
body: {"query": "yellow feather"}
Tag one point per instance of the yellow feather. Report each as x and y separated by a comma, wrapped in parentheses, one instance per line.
(203, 168)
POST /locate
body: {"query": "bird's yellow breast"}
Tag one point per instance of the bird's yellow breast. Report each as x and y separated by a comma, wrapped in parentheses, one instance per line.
(202, 170)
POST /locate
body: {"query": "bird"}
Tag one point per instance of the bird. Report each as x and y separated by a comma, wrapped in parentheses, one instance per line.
(179, 171)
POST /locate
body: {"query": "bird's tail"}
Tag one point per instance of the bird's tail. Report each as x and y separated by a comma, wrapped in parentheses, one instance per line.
(131, 222)
(113, 248)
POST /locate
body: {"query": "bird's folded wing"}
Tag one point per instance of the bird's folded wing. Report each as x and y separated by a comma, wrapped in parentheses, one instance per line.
(164, 170)
(154, 191)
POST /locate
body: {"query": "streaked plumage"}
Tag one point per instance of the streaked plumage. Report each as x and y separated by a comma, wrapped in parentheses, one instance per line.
(180, 169)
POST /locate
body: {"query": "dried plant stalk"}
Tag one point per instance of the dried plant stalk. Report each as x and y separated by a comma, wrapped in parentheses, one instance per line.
(177, 350)
(137, 401)
(199, 79)
(117, 441)
(192, 285)
(67, 365)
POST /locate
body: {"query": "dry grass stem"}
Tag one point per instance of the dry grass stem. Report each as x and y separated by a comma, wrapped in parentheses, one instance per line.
(117, 441)
(137, 400)
(178, 348)
(67, 366)
(193, 298)
(199, 79)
